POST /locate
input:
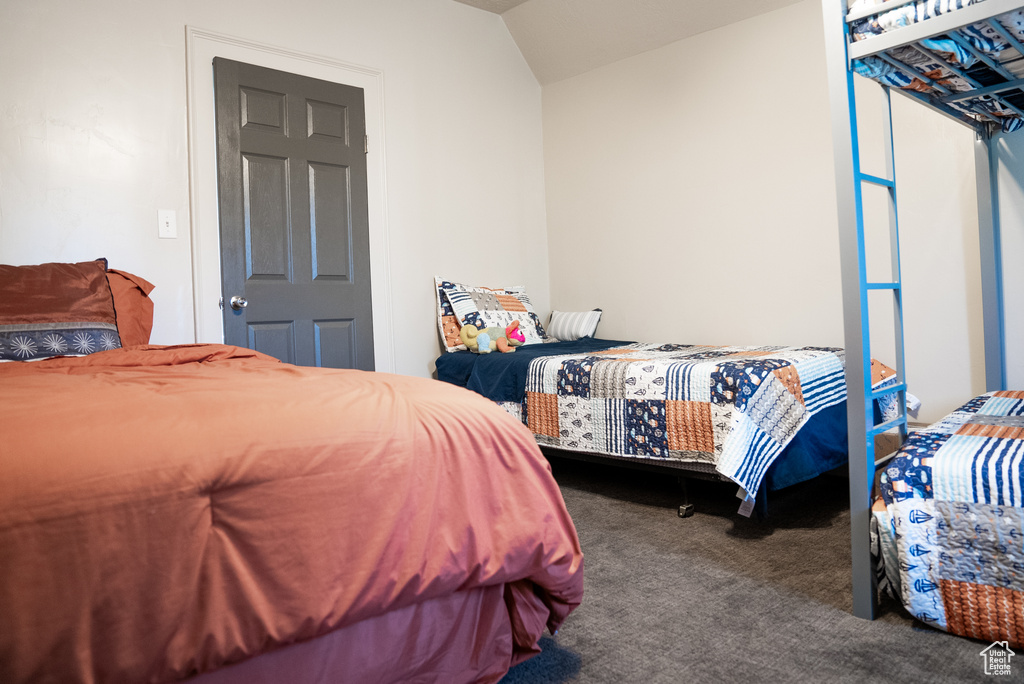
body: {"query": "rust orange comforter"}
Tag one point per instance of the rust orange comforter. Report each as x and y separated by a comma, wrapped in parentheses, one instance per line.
(165, 511)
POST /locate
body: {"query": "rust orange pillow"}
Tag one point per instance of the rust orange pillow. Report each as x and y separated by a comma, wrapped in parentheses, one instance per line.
(132, 306)
(56, 309)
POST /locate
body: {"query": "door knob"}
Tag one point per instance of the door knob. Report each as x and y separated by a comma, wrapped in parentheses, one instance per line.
(238, 303)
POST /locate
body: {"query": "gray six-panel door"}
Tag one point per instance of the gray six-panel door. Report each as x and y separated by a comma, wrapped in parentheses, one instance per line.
(291, 172)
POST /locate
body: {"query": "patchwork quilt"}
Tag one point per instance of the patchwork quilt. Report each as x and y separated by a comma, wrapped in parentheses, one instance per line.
(950, 521)
(735, 408)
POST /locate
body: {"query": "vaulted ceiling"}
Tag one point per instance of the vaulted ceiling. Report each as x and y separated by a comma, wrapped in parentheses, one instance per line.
(564, 38)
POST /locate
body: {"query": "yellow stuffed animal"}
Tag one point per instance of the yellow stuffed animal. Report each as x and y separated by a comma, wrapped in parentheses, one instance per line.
(486, 340)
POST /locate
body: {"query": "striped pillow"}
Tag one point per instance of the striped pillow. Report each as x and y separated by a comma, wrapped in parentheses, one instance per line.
(572, 325)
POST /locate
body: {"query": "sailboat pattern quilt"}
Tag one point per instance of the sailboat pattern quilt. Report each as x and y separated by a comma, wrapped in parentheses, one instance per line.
(950, 521)
(735, 408)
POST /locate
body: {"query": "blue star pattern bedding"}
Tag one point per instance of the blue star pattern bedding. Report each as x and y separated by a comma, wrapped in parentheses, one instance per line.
(949, 523)
(943, 65)
(733, 409)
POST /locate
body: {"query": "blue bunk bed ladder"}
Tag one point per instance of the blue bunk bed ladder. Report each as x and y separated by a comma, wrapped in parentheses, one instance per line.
(895, 286)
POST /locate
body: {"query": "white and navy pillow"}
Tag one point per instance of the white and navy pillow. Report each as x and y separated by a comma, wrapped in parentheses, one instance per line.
(484, 307)
(572, 325)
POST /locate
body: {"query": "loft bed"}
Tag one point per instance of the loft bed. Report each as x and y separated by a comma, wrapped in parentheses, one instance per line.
(964, 60)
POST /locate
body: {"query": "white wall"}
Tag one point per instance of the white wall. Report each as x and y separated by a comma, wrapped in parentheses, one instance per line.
(940, 257)
(691, 195)
(689, 190)
(93, 140)
(1010, 155)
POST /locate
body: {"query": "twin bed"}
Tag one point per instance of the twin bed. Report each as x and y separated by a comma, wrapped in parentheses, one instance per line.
(762, 417)
(207, 513)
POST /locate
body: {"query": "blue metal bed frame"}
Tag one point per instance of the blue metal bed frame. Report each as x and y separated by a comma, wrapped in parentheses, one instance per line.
(840, 52)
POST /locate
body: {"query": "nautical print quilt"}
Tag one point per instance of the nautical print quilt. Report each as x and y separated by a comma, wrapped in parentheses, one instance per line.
(950, 520)
(735, 408)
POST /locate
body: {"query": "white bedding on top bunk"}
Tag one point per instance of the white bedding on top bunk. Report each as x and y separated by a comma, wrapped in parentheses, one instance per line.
(980, 35)
(910, 13)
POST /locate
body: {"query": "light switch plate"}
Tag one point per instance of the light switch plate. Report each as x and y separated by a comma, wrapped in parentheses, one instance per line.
(168, 223)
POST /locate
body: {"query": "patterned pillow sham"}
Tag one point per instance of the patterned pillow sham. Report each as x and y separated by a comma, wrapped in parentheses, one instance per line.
(56, 309)
(447, 322)
(459, 304)
(572, 325)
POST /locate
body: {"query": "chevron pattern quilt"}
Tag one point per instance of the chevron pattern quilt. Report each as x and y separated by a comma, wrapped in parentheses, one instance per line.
(735, 408)
(950, 521)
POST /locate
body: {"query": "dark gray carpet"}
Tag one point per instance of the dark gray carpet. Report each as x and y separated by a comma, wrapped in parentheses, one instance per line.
(721, 598)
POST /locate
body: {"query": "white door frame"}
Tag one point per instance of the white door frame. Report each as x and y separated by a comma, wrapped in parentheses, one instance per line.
(201, 47)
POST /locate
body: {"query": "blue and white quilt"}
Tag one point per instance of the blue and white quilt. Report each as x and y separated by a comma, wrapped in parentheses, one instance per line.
(733, 408)
(950, 521)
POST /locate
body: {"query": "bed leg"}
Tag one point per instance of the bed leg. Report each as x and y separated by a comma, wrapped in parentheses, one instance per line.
(761, 503)
(685, 508)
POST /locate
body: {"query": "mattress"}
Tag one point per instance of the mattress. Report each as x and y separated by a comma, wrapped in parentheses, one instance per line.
(168, 512)
(950, 521)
